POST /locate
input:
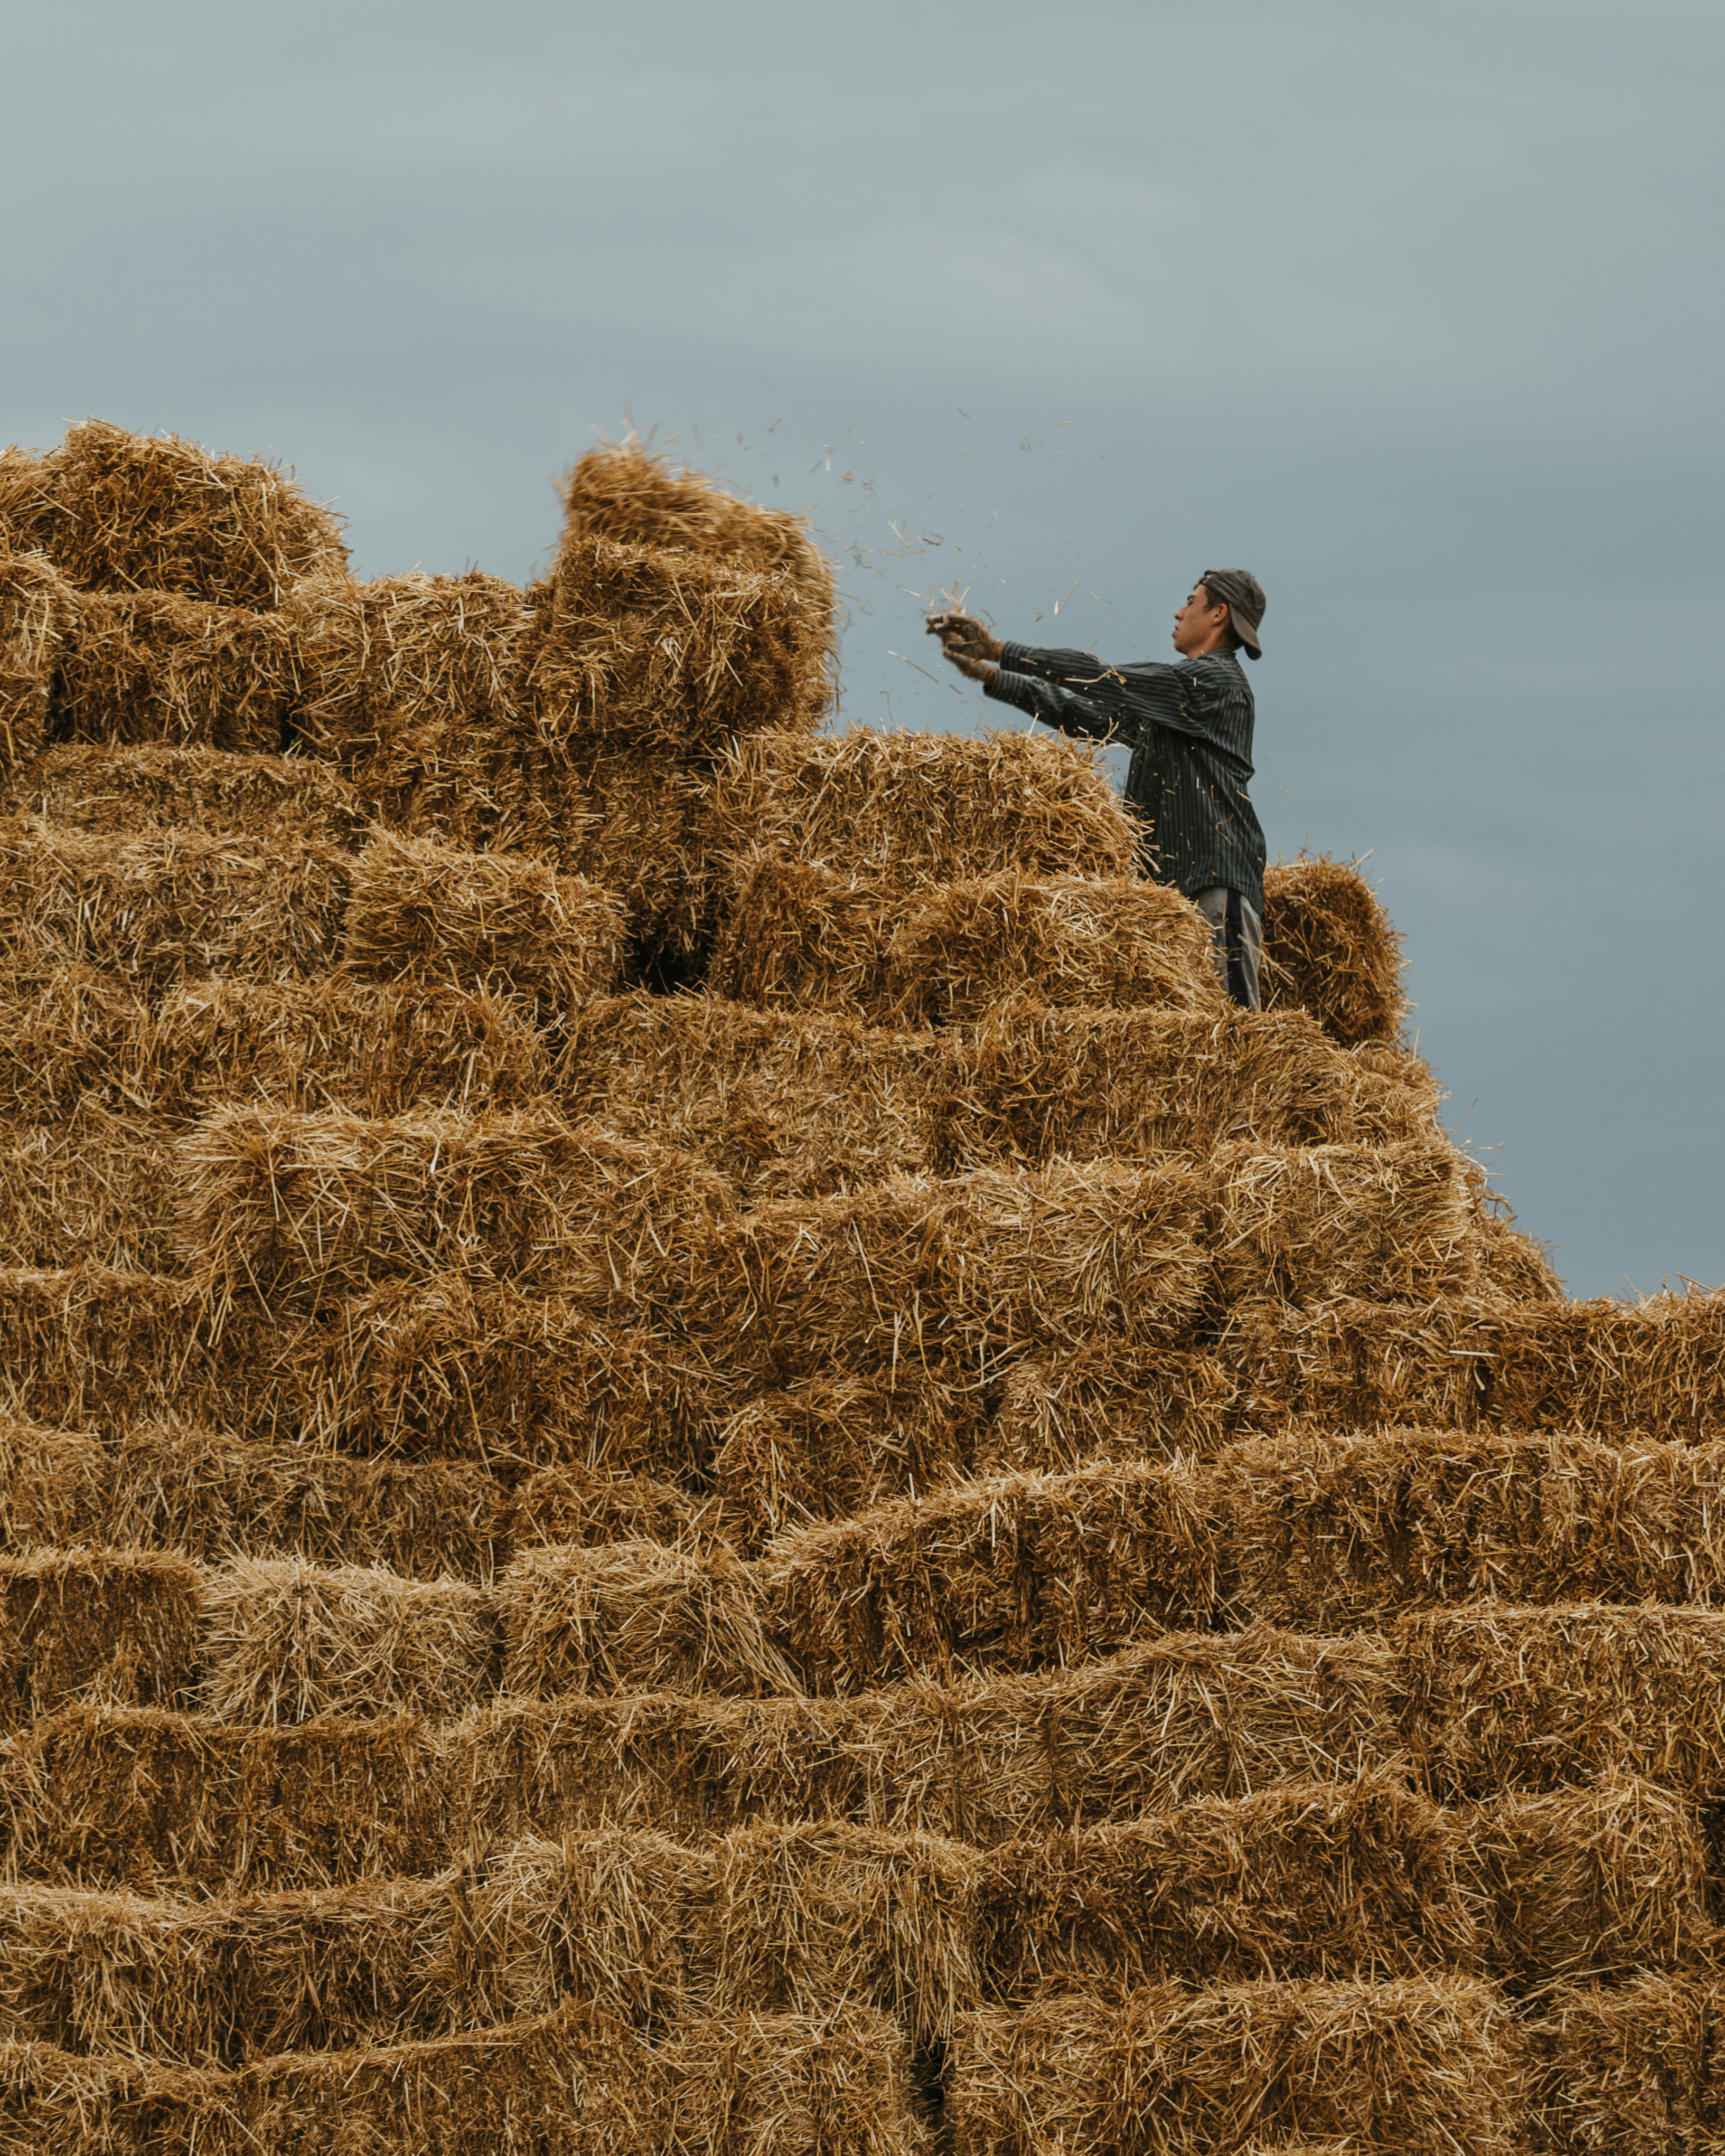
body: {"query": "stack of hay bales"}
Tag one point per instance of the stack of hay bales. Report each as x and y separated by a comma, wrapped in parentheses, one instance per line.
(142, 585)
(407, 685)
(917, 880)
(676, 622)
(934, 1539)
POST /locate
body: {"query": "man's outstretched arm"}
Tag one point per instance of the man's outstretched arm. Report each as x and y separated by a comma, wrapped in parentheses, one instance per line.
(1101, 703)
(963, 637)
(1089, 715)
(1070, 691)
(1072, 669)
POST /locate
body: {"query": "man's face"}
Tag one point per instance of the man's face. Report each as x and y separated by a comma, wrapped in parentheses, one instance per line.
(1200, 624)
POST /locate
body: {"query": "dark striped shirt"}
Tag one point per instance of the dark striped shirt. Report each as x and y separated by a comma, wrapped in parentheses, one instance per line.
(1189, 728)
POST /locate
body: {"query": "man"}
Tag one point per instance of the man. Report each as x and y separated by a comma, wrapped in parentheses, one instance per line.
(1189, 726)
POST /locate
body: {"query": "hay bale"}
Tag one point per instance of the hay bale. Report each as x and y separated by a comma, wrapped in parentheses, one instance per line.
(119, 1624)
(982, 1761)
(1054, 1411)
(53, 1486)
(920, 808)
(1512, 1267)
(285, 1641)
(1588, 1883)
(795, 936)
(798, 935)
(838, 2083)
(1213, 1715)
(1416, 2066)
(1396, 1091)
(665, 653)
(363, 1047)
(695, 1765)
(612, 1918)
(65, 1031)
(786, 1104)
(573, 2083)
(1358, 1364)
(855, 1282)
(26, 500)
(990, 1266)
(1305, 1879)
(82, 1971)
(1328, 1530)
(85, 1341)
(801, 1917)
(171, 906)
(620, 490)
(634, 1617)
(1007, 1574)
(837, 1446)
(92, 1343)
(507, 923)
(157, 1800)
(212, 1495)
(89, 787)
(1387, 1224)
(969, 1762)
(155, 667)
(455, 1368)
(1632, 2066)
(1329, 948)
(150, 512)
(1065, 1259)
(215, 1983)
(576, 1503)
(1540, 1699)
(1133, 1085)
(965, 949)
(1658, 1365)
(38, 608)
(301, 1210)
(676, 617)
(94, 1188)
(690, 1765)
(407, 685)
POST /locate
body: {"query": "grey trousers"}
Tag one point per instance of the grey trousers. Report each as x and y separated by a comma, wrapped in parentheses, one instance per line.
(1238, 936)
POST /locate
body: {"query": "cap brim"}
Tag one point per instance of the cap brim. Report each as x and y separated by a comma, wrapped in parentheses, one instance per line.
(1245, 631)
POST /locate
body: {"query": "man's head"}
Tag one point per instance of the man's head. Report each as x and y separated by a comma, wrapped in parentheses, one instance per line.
(1222, 614)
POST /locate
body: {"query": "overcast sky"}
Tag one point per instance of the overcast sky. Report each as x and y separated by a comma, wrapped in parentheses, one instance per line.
(1414, 311)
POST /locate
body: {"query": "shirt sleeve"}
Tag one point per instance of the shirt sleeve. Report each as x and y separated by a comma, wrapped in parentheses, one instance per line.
(1072, 669)
(1096, 713)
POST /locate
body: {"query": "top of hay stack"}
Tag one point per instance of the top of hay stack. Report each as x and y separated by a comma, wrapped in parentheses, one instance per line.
(676, 617)
(620, 491)
(135, 512)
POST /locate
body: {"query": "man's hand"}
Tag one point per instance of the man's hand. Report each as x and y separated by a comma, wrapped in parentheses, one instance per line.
(966, 643)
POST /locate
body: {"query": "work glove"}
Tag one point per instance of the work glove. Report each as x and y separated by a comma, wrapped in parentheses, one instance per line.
(966, 643)
(962, 635)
